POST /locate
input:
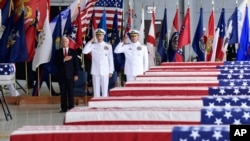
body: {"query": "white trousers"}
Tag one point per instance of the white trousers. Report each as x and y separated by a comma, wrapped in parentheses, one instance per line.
(130, 77)
(100, 85)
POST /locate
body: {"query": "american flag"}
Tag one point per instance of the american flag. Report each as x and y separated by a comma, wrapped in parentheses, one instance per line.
(234, 82)
(224, 115)
(233, 67)
(235, 71)
(227, 101)
(234, 76)
(7, 69)
(237, 63)
(220, 91)
(200, 133)
(99, 5)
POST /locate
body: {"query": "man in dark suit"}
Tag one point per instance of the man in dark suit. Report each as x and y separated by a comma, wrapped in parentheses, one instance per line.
(67, 65)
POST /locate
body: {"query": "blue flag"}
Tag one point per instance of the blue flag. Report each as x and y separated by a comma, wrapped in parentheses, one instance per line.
(56, 35)
(233, 38)
(173, 41)
(198, 41)
(242, 53)
(103, 25)
(162, 45)
(4, 44)
(5, 13)
(68, 27)
(119, 59)
(18, 50)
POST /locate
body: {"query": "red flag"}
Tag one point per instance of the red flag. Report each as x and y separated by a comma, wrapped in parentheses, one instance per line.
(79, 30)
(184, 37)
(178, 55)
(151, 41)
(129, 22)
(210, 37)
(2, 3)
(30, 30)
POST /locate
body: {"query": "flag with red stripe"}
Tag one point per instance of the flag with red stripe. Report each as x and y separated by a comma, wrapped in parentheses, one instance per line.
(99, 6)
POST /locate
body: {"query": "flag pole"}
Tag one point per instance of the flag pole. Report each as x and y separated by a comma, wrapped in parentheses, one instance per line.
(26, 74)
(190, 46)
(38, 80)
(82, 56)
(50, 86)
(154, 35)
(81, 47)
(26, 67)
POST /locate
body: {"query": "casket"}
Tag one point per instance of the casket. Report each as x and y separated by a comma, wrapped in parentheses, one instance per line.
(7, 73)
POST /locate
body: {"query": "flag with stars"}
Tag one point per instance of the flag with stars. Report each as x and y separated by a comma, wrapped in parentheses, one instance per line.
(226, 101)
(225, 115)
(227, 90)
(233, 76)
(17, 40)
(200, 133)
(7, 69)
(73, 30)
(218, 53)
(234, 67)
(235, 71)
(109, 5)
(234, 82)
(237, 63)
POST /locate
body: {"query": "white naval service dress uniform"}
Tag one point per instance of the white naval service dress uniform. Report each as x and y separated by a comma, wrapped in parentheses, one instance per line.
(136, 62)
(102, 66)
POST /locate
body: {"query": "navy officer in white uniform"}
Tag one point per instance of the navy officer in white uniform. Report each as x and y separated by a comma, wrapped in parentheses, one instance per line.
(136, 56)
(102, 66)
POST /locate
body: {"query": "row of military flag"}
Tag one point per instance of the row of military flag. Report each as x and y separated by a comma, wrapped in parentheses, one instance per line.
(210, 46)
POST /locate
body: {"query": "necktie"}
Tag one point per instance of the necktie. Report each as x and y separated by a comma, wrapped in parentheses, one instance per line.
(65, 52)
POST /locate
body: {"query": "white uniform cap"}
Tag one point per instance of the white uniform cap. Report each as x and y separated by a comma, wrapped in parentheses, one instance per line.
(134, 32)
(99, 31)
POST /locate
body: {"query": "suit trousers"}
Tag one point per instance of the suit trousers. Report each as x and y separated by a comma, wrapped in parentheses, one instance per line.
(100, 85)
(67, 97)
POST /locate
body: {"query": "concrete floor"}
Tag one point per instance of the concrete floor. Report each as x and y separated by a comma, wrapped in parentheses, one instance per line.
(35, 114)
(38, 114)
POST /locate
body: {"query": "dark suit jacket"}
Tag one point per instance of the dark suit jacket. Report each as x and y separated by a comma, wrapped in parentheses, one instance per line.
(67, 69)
